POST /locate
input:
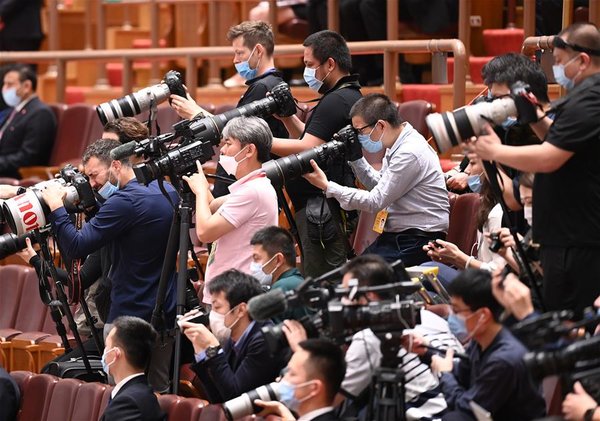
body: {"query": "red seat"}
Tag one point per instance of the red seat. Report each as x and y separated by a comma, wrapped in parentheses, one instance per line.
(88, 401)
(22, 378)
(58, 109)
(11, 285)
(462, 229)
(211, 413)
(73, 133)
(35, 399)
(187, 409)
(415, 112)
(104, 401)
(32, 312)
(167, 402)
(63, 399)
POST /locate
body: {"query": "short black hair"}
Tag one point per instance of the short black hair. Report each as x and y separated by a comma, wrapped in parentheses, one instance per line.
(370, 270)
(25, 72)
(100, 149)
(375, 107)
(326, 361)
(512, 67)
(276, 240)
(237, 286)
(474, 287)
(136, 338)
(329, 44)
(128, 129)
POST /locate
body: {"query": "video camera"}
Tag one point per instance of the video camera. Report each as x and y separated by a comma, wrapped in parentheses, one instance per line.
(451, 128)
(291, 167)
(140, 101)
(28, 211)
(200, 136)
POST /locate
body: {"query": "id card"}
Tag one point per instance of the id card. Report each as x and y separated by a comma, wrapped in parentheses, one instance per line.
(380, 219)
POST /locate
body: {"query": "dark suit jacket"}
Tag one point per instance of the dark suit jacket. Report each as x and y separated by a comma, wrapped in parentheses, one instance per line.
(27, 139)
(21, 19)
(328, 416)
(232, 373)
(134, 402)
(9, 397)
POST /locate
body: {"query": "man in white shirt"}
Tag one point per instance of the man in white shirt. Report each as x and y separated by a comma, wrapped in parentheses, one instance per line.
(126, 356)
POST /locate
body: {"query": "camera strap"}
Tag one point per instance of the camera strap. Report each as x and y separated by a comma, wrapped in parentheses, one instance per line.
(350, 84)
(74, 280)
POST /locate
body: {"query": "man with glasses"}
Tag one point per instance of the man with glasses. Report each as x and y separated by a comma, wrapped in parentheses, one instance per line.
(495, 376)
(408, 194)
(567, 182)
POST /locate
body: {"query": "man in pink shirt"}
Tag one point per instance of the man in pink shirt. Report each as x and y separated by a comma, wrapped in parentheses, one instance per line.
(229, 222)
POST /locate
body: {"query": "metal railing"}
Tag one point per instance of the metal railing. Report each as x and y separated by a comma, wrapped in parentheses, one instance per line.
(390, 49)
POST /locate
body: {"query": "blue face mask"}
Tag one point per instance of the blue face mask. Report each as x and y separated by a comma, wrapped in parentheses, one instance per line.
(107, 190)
(106, 366)
(244, 69)
(474, 182)
(287, 394)
(370, 145)
(560, 76)
(509, 122)
(257, 270)
(10, 97)
(311, 79)
(458, 327)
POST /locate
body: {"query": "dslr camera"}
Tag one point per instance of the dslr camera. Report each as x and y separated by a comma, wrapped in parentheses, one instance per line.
(140, 101)
(451, 128)
(28, 211)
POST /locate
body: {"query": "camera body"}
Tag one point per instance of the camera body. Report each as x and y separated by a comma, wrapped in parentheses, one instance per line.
(142, 100)
(495, 243)
(28, 211)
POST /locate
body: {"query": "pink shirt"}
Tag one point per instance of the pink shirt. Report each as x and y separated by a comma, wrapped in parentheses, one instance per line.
(252, 205)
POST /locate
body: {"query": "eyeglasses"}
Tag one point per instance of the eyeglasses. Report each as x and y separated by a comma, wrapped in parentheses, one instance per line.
(558, 42)
(360, 129)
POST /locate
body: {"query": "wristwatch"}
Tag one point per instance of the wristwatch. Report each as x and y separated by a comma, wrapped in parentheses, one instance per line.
(589, 414)
(212, 351)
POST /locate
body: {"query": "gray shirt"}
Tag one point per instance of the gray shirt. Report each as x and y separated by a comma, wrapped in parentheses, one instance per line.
(410, 185)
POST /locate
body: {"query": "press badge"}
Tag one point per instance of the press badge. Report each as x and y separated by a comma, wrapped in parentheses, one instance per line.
(380, 219)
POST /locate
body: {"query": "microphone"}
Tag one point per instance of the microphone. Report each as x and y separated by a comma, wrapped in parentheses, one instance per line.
(264, 306)
(123, 151)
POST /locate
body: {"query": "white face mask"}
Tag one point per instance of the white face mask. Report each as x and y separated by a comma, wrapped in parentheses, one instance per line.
(257, 270)
(528, 214)
(229, 163)
(217, 326)
(10, 97)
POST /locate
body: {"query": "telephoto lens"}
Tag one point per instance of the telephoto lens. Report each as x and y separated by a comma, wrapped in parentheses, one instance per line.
(243, 405)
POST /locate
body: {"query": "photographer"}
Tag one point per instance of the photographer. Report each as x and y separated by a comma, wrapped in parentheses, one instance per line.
(253, 46)
(125, 129)
(229, 222)
(320, 222)
(580, 406)
(243, 362)
(495, 377)
(274, 265)
(409, 192)
(134, 224)
(566, 190)
(310, 384)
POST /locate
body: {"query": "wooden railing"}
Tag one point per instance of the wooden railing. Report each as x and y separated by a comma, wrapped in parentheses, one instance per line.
(390, 49)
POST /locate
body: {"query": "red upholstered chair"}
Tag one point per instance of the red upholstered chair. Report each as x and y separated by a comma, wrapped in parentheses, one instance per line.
(35, 399)
(104, 401)
(211, 413)
(167, 402)
(415, 112)
(11, 285)
(63, 399)
(88, 401)
(462, 229)
(58, 109)
(187, 409)
(21, 378)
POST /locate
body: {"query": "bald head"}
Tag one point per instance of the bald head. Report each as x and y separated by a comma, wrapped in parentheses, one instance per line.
(586, 36)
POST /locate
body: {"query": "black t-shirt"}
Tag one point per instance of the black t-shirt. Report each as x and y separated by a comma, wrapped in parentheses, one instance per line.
(257, 89)
(566, 208)
(331, 114)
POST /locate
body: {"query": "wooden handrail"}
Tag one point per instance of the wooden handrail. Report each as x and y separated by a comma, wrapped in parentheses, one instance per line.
(533, 44)
(389, 49)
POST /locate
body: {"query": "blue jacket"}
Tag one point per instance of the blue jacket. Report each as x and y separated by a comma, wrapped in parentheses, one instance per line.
(135, 221)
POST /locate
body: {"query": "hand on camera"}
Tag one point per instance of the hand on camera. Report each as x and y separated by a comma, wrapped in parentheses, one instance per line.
(7, 192)
(317, 178)
(577, 403)
(274, 410)
(506, 239)
(415, 343)
(443, 251)
(294, 333)
(512, 294)
(185, 107)
(354, 150)
(485, 146)
(458, 182)
(441, 365)
(28, 252)
(53, 195)
(199, 335)
(197, 181)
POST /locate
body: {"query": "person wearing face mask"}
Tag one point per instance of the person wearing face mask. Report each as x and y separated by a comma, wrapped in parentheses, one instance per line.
(408, 194)
(310, 384)
(127, 354)
(229, 222)
(27, 134)
(274, 265)
(495, 376)
(234, 365)
(567, 184)
(132, 227)
(253, 46)
(327, 72)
